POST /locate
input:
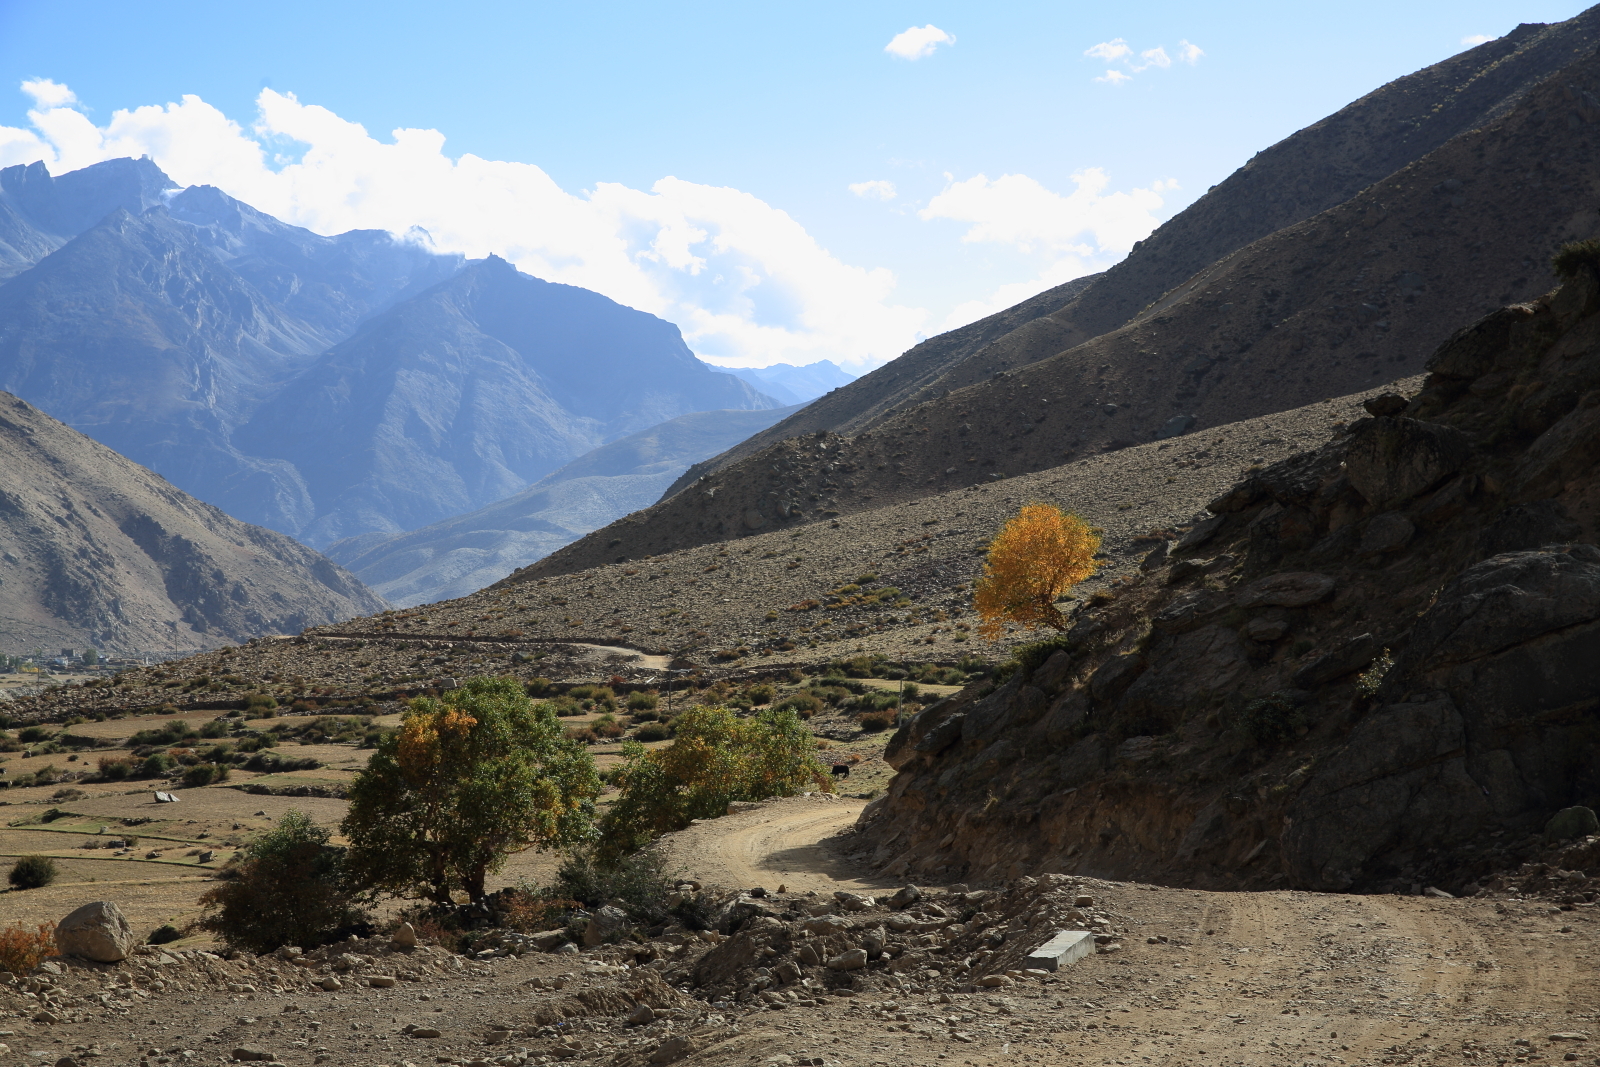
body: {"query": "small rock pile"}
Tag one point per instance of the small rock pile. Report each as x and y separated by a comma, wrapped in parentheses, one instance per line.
(777, 950)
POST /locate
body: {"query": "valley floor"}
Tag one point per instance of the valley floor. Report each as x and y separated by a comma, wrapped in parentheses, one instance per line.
(1198, 978)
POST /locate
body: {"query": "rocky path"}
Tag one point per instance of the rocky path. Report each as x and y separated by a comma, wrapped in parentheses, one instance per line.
(781, 842)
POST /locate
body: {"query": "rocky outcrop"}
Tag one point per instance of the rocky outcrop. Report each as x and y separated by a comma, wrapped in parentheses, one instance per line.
(1373, 667)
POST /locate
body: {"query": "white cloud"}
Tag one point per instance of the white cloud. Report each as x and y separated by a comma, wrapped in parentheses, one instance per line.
(1477, 39)
(1117, 51)
(47, 93)
(874, 190)
(744, 281)
(917, 42)
(1110, 51)
(1155, 57)
(1082, 232)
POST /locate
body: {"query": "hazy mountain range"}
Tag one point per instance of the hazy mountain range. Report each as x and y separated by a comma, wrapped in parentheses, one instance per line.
(321, 386)
(795, 385)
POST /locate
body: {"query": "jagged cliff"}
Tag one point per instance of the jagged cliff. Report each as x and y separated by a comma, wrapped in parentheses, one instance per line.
(1373, 666)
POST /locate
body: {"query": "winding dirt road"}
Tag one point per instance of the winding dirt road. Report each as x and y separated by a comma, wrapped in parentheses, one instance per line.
(1200, 978)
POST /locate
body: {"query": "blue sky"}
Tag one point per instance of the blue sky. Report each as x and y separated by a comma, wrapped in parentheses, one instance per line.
(1015, 160)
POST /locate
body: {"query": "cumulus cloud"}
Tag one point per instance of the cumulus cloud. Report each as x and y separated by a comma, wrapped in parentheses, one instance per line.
(1117, 52)
(1110, 51)
(1075, 234)
(1477, 39)
(745, 282)
(917, 42)
(47, 93)
(874, 190)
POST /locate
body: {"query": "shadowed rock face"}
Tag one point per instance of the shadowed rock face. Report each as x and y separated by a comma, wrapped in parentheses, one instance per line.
(1207, 724)
(96, 550)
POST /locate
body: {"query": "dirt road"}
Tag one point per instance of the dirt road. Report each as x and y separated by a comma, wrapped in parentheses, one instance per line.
(1245, 978)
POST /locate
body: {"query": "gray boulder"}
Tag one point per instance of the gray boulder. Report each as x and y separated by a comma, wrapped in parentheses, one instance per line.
(1390, 461)
(606, 924)
(1576, 821)
(1350, 655)
(98, 932)
(1290, 589)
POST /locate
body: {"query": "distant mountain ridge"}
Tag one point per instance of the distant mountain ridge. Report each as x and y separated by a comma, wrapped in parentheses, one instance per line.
(320, 386)
(98, 551)
(792, 384)
(465, 553)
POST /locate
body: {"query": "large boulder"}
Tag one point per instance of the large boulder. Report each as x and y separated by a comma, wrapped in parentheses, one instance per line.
(606, 924)
(1390, 461)
(98, 932)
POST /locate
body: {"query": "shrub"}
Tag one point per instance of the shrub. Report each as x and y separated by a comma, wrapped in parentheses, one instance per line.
(1576, 255)
(285, 888)
(466, 782)
(716, 758)
(653, 731)
(877, 721)
(1272, 720)
(164, 934)
(761, 694)
(607, 726)
(204, 774)
(34, 734)
(1371, 680)
(260, 701)
(804, 705)
(636, 883)
(32, 872)
(156, 765)
(22, 949)
(638, 702)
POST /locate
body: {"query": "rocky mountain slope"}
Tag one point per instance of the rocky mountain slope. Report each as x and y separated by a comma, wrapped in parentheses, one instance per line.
(98, 551)
(1310, 171)
(466, 393)
(1369, 668)
(468, 552)
(305, 382)
(1322, 308)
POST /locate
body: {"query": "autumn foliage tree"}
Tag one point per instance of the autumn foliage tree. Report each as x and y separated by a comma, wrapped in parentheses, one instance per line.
(466, 782)
(1040, 554)
(717, 758)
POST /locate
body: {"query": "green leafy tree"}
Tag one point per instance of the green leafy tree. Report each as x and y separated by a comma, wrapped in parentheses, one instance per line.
(466, 782)
(287, 887)
(715, 759)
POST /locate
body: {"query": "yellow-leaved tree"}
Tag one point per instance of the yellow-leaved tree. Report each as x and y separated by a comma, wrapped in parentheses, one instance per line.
(1040, 554)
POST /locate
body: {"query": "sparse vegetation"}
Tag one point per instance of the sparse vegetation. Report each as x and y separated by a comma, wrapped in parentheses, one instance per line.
(288, 887)
(466, 782)
(1272, 720)
(716, 759)
(32, 872)
(22, 949)
(1575, 256)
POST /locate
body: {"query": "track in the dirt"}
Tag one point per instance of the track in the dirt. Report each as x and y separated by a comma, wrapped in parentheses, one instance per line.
(781, 842)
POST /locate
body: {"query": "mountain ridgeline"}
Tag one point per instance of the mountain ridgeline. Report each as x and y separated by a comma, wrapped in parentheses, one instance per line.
(321, 386)
(1338, 259)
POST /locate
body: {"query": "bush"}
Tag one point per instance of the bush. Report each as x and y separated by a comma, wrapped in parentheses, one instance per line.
(1575, 256)
(653, 731)
(33, 734)
(877, 721)
(761, 694)
(22, 949)
(287, 887)
(642, 702)
(607, 726)
(32, 872)
(164, 934)
(716, 758)
(804, 705)
(156, 765)
(465, 783)
(260, 701)
(1272, 720)
(202, 774)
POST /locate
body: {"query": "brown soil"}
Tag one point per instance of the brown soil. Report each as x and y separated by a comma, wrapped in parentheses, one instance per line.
(1247, 978)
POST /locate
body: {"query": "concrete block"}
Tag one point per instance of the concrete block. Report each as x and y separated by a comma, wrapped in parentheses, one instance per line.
(1066, 947)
